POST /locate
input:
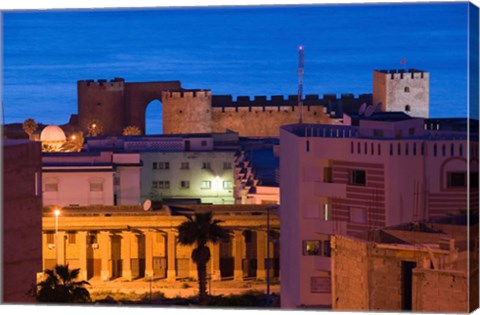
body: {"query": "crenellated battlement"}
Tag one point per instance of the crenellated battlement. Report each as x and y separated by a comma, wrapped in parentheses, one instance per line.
(186, 94)
(399, 74)
(116, 83)
(278, 101)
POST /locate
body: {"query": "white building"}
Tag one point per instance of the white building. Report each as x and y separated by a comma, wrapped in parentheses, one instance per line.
(92, 178)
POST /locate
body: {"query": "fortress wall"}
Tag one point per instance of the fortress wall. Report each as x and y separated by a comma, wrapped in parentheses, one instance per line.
(187, 111)
(259, 122)
(104, 101)
(138, 95)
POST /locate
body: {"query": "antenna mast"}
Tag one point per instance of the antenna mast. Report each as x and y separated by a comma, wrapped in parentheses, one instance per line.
(300, 84)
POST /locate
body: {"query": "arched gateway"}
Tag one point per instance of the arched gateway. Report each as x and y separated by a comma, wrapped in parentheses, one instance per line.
(117, 104)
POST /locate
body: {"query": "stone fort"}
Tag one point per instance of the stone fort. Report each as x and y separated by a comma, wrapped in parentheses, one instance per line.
(117, 104)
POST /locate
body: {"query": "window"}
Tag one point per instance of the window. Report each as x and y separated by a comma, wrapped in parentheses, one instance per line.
(227, 165)
(399, 149)
(184, 166)
(206, 165)
(406, 89)
(116, 180)
(227, 184)
(456, 179)
(358, 215)
(206, 184)
(96, 186)
(326, 212)
(307, 146)
(474, 179)
(160, 184)
(312, 248)
(351, 147)
(398, 134)
(407, 108)
(411, 131)
(434, 150)
(154, 165)
(414, 149)
(357, 177)
(326, 248)
(443, 150)
(377, 133)
(460, 150)
(406, 148)
(203, 143)
(185, 184)
(72, 237)
(51, 187)
(50, 238)
(164, 165)
(379, 149)
(327, 175)
(452, 149)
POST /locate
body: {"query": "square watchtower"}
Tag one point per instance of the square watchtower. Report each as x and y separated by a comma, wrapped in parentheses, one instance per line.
(402, 90)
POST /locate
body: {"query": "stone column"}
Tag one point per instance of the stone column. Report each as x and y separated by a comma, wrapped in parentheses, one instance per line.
(171, 255)
(82, 255)
(105, 245)
(61, 259)
(149, 239)
(215, 261)
(238, 255)
(126, 254)
(261, 251)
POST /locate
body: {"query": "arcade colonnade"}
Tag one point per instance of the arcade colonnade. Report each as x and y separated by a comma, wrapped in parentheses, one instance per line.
(142, 250)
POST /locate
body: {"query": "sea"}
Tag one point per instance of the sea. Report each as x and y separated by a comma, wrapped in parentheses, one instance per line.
(242, 51)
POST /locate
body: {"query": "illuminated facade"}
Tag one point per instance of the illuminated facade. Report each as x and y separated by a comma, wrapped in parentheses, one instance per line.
(129, 243)
(345, 180)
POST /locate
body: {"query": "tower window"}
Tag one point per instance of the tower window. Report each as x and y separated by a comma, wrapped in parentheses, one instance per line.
(357, 177)
(406, 89)
(407, 108)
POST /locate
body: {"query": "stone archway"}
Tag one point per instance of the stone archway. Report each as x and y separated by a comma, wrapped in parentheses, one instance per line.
(153, 118)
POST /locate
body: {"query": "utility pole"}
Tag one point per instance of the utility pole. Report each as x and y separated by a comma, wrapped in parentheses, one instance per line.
(300, 84)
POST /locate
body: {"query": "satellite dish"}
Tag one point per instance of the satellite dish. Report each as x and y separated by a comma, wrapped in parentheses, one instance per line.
(378, 108)
(362, 108)
(369, 111)
(147, 205)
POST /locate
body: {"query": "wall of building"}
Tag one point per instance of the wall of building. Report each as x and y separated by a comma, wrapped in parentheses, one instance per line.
(217, 175)
(74, 188)
(350, 266)
(440, 291)
(21, 219)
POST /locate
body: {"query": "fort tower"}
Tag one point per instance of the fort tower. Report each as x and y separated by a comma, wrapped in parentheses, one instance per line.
(400, 90)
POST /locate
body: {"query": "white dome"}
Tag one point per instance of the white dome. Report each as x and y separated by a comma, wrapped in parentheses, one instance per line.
(52, 133)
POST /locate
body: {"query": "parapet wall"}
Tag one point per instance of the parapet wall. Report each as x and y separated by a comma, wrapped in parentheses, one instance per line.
(403, 74)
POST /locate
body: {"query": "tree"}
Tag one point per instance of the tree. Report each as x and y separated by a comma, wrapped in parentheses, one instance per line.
(95, 128)
(30, 126)
(132, 130)
(74, 143)
(199, 230)
(60, 286)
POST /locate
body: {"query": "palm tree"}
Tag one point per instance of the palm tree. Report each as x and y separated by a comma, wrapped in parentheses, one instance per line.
(200, 230)
(132, 130)
(30, 126)
(60, 286)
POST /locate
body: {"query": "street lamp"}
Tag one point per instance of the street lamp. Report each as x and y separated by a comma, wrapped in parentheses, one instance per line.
(57, 213)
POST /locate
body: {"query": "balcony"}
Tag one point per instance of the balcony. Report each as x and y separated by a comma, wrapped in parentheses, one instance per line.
(330, 190)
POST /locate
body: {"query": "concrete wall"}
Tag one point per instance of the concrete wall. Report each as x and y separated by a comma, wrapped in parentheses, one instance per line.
(74, 188)
(350, 266)
(440, 291)
(22, 219)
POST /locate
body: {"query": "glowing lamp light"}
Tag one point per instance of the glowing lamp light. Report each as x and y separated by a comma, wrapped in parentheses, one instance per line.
(74, 137)
(56, 212)
(94, 125)
(300, 47)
